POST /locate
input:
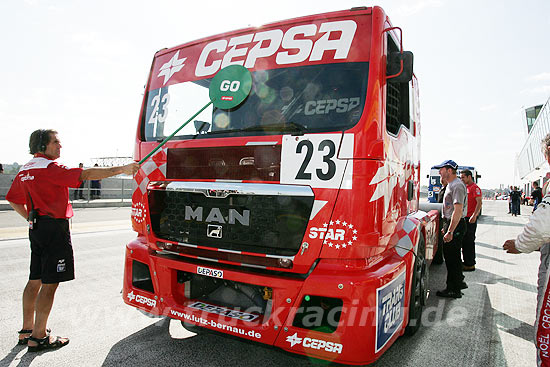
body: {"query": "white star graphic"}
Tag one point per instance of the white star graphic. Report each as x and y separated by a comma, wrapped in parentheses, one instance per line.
(350, 226)
(330, 244)
(337, 221)
(344, 223)
(293, 339)
(325, 224)
(350, 243)
(354, 231)
(343, 245)
(171, 67)
(387, 177)
(354, 238)
(331, 222)
(337, 246)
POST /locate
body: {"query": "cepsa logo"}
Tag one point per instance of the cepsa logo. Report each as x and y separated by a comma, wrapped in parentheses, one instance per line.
(314, 344)
(337, 36)
(294, 45)
(141, 299)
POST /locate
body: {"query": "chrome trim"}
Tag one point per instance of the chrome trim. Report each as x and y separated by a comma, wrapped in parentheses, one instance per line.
(187, 244)
(168, 253)
(261, 143)
(224, 189)
(206, 259)
(280, 257)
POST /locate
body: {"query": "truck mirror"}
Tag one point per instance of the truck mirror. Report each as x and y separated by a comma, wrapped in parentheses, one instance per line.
(400, 67)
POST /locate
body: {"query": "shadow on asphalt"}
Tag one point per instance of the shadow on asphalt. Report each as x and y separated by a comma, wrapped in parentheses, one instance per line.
(153, 346)
(491, 221)
(25, 359)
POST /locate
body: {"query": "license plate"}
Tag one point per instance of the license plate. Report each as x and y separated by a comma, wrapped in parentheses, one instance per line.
(210, 272)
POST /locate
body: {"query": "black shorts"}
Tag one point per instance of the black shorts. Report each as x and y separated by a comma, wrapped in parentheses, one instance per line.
(52, 258)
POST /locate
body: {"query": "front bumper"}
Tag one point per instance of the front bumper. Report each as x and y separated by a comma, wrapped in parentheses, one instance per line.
(374, 300)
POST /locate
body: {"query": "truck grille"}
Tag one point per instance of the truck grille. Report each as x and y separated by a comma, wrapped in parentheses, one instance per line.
(257, 218)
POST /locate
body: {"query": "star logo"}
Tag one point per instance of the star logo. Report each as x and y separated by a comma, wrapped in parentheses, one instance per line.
(171, 67)
(131, 296)
(293, 340)
(335, 231)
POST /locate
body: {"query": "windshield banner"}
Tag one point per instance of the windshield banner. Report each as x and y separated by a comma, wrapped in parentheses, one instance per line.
(317, 42)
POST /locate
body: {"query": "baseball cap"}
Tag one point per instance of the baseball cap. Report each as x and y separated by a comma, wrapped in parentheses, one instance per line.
(447, 163)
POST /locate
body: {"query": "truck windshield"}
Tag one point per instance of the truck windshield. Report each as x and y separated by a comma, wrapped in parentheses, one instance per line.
(306, 99)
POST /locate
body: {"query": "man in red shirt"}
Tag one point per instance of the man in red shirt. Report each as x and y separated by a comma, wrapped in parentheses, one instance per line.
(40, 194)
(474, 208)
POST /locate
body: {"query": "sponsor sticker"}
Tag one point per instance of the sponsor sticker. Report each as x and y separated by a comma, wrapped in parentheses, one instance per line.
(390, 301)
(61, 266)
(312, 343)
(138, 212)
(234, 314)
(210, 272)
(141, 299)
(338, 234)
(218, 325)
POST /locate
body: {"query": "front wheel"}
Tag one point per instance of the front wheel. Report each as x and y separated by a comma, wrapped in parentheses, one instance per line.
(419, 289)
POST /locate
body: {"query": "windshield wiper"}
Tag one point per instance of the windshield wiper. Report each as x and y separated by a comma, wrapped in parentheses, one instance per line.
(282, 127)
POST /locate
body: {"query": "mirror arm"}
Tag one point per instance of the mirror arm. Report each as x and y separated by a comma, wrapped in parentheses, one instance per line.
(400, 50)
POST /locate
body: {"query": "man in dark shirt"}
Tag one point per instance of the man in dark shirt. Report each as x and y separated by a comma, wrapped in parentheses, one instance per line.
(536, 195)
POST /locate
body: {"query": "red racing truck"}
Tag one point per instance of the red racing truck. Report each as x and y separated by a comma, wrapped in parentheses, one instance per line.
(291, 219)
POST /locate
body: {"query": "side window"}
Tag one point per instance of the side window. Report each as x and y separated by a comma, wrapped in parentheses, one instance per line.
(397, 99)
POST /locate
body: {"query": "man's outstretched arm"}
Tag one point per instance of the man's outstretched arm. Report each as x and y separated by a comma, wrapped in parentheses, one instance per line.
(99, 173)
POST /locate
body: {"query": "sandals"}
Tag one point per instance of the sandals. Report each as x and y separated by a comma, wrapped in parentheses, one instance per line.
(25, 340)
(46, 344)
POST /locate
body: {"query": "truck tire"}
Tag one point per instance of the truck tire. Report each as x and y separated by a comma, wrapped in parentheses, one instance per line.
(419, 289)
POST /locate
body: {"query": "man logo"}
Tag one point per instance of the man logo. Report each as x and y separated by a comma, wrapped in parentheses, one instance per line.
(214, 231)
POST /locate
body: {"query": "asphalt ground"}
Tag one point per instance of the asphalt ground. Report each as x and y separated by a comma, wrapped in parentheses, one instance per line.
(491, 325)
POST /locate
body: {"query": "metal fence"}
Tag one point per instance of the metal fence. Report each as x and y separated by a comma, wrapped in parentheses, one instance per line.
(118, 188)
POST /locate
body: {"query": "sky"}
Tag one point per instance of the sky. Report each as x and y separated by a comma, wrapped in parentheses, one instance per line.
(80, 68)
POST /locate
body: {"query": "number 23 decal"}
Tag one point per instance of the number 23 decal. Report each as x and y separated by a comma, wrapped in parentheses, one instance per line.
(313, 160)
(327, 158)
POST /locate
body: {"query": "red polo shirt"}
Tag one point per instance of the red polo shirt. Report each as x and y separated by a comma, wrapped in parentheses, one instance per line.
(48, 184)
(473, 192)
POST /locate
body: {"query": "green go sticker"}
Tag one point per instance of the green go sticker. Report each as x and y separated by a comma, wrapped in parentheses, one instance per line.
(230, 86)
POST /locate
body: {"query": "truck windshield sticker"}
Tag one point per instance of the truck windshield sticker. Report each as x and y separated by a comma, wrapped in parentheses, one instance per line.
(389, 312)
(171, 67)
(336, 37)
(312, 160)
(327, 106)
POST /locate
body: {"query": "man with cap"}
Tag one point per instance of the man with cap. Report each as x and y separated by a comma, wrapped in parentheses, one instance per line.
(453, 228)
